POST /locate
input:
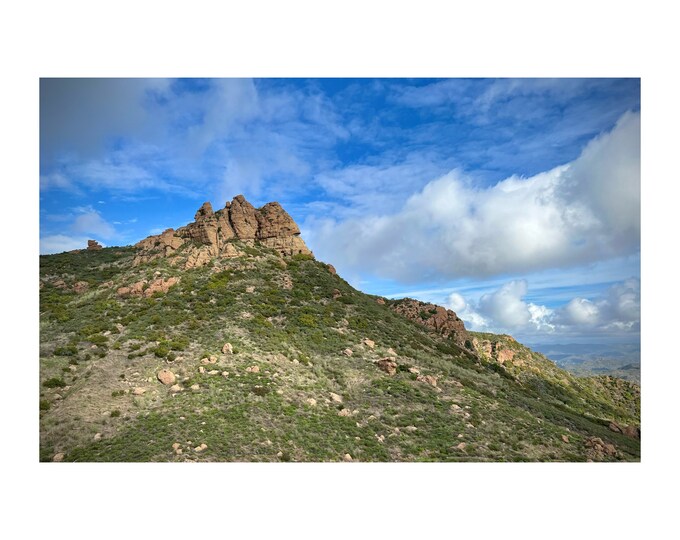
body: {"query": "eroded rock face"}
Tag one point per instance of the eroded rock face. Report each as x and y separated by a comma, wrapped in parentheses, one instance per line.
(211, 234)
(442, 320)
(93, 245)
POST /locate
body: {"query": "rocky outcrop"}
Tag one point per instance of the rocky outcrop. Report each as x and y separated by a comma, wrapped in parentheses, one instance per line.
(441, 320)
(93, 245)
(499, 350)
(211, 234)
(628, 431)
(598, 450)
(147, 289)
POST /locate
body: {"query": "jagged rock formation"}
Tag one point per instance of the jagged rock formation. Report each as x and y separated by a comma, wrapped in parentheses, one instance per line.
(212, 234)
(93, 245)
(442, 320)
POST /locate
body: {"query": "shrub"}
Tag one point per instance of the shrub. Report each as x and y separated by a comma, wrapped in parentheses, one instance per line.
(161, 351)
(54, 382)
(69, 350)
(44, 405)
(307, 320)
(115, 413)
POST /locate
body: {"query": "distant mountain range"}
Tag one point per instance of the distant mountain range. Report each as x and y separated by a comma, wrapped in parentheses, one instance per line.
(616, 360)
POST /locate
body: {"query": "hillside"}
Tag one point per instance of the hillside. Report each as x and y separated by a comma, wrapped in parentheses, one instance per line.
(227, 341)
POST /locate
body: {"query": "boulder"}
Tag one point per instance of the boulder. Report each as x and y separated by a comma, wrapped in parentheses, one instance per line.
(80, 287)
(93, 245)
(631, 431)
(369, 343)
(347, 352)
(429, 379)
(166, 376)
(227, 349)
(388, 365)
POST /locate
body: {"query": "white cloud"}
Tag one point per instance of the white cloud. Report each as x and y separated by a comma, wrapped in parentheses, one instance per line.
(505, 306)
(618, 309)
(59, 243)
(456, 302)
(580, 311)
(56, 180)
(585, 211)
(91, 222)
(615, 311)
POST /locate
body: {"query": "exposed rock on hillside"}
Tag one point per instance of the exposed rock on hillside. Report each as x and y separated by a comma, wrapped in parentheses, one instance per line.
(442, 320)
(212, 234)
(498, 349)
(144, 288)
(93, 245)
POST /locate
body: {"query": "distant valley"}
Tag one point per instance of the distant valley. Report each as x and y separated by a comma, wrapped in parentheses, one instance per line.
(588, 359)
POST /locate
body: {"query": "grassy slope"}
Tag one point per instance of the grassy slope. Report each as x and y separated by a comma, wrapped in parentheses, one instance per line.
(101, 347)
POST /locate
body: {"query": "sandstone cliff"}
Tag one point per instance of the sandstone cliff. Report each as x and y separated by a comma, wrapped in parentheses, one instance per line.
(212, 234)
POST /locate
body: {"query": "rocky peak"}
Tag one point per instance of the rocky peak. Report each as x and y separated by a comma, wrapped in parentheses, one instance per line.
(93, 245)
(205, 211)
(274, 221)
(212, 233)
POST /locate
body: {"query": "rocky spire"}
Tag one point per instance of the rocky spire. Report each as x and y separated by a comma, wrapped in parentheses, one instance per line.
(213, 232)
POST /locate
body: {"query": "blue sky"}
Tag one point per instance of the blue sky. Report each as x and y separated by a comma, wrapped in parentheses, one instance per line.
(515, 202)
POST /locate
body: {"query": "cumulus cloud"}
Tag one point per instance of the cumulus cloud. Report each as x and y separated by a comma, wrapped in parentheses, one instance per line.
(580, 311)
(615, 311)
(581, 212)
(618, 309)
(505, 306)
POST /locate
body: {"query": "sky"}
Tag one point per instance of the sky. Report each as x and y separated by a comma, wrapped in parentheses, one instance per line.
(514, 202)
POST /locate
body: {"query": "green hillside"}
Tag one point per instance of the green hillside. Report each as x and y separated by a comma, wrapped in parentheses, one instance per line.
(318, 371)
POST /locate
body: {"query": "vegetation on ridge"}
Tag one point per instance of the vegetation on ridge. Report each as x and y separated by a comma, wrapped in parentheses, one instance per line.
(289, 391)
